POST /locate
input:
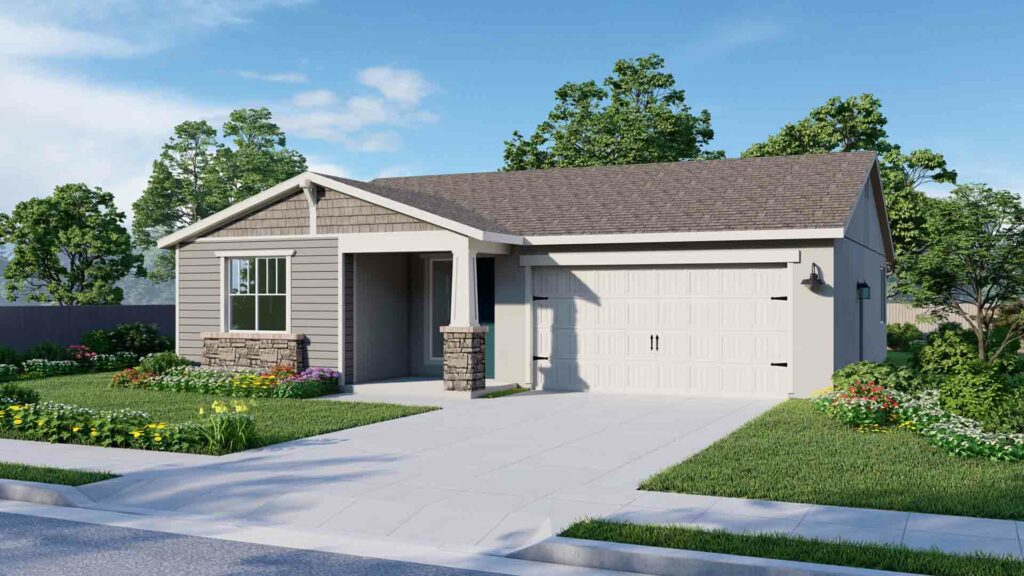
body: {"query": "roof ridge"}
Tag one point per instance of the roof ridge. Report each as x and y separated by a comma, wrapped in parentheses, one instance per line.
(637, 165)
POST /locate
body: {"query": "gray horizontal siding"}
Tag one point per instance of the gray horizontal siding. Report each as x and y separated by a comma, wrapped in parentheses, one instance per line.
(314, 298)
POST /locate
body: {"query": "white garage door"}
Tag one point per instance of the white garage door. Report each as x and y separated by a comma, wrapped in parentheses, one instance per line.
(709, 331)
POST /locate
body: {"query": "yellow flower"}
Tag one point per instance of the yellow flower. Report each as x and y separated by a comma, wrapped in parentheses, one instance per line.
(240, 407)
(94, 433)
(219, 407)
(40, 422)
(76, 428)
(15, 407)
(17, 421)
(201, 411)
(157, 438)
(150, 426)
(161, 426)
(136, 433)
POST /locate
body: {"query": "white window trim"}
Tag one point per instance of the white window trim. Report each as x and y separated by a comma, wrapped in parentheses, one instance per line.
(225, 297)
(428, 352)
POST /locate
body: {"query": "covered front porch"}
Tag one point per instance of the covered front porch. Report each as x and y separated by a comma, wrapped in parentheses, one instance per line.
(418, 310)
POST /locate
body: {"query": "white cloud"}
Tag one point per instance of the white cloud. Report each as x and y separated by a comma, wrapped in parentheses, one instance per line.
(287, 77)
(733, 35)
(43, 40)
(363, 122)
(60, 129)
(314, 99)
(403, 86)
(324, 166)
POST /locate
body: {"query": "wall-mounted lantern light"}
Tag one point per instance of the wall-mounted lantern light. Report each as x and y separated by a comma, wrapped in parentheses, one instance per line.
(863, 291)
(814, 280)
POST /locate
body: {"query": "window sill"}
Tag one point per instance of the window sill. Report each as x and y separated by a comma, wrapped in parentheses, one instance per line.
(252, 335)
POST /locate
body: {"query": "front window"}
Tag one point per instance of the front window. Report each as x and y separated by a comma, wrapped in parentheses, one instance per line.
(258, 294)
(440, 304)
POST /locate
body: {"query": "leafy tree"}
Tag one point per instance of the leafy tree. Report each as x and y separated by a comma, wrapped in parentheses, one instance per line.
(197, 175)
(69, 248)
(972, 264)
(857, 123)
(636, 115)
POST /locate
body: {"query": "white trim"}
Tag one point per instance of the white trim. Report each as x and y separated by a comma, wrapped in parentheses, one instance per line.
(355, 318)
(659, 237)
(429, 357)
(225, 301)
(659, 257)
(341, 314)
(310, 192)
(531, 350)
(207, 239)
(177, 301)
(253, 253)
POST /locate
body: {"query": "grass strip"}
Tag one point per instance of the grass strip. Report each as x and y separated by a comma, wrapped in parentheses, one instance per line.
(781, 547)
(65, 476)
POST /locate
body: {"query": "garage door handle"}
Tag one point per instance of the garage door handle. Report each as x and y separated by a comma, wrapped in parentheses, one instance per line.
(652, 341)
(780, 364)
(535, 358)
(657, 342)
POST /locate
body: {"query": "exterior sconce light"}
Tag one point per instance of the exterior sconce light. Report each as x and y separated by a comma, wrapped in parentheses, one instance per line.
(813, 281)
(863, 291)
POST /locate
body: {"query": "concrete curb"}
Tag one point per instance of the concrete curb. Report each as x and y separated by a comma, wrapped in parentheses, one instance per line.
(671, 562)
(42, 493)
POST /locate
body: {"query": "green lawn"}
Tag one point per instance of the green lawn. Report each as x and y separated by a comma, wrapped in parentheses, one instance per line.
(793, 453)
(277, 420)
(780, 547)
(12, 471)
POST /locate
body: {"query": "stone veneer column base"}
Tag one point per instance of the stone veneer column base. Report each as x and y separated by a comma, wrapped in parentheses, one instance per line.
(239, 350)
(464, 357)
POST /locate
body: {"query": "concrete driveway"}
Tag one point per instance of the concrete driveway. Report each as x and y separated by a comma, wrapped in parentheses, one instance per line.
(496, 474)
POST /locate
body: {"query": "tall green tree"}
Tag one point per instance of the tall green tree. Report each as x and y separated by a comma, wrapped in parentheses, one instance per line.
(69, 248)
(636, 115)
(197, 174)
(857, 123)
(971, 264)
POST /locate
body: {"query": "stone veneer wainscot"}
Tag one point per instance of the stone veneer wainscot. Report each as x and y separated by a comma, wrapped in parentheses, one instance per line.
(260, 351)
(464, 357)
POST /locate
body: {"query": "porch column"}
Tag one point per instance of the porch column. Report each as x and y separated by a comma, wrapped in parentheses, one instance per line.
(464, 337)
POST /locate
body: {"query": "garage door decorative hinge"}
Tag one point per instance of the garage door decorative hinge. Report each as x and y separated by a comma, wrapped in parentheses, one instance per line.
(780, 364)
(780, 297)
(540, 298)
(535, 358)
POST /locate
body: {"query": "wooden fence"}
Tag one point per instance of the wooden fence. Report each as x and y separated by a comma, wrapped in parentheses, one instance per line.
(898, 312)
(22, 327)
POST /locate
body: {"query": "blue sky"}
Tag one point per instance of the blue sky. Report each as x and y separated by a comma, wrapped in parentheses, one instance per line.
(93, 88)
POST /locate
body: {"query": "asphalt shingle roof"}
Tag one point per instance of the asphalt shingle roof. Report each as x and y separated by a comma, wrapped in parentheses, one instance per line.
(812, 191)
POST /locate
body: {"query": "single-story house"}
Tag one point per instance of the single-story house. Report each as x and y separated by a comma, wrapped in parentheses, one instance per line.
(737, 277)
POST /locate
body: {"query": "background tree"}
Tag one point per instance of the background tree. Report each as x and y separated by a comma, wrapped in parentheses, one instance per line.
(197, 175)
(857, 123)
(636, 115)
(69, 248)
(972, 264)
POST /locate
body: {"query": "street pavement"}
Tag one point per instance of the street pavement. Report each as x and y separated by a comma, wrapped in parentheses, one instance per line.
(34, 546)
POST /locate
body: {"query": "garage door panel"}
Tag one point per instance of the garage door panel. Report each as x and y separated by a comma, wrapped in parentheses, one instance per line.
(718, 330)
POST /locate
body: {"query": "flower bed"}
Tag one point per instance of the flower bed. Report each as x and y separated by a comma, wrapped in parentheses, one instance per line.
(280, 382)
(873, 406)
(83, 360)
(220, 430)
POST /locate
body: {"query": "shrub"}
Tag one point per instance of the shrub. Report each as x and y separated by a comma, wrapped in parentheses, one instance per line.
(948, 351)
(115, 361)
(99, 341)
(192, 379)
(995, 401)
(8, 372)
(130, 378)
(80, 354)
(280, 382)
(956, 434)
(900, 335)
(47, 351)
(227, 428)
(139, 339)
(65, 423)
(861, 404)
(18, 394)
(899, 378)
(9, 356)
(41, 368)
(161, 362)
